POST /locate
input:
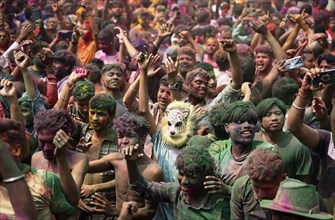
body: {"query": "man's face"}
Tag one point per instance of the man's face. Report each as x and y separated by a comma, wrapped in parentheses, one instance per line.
(325, 65)
(309, 61)
(273, 120)
(198, 88)
(61, 69)
(225, 35)
(52, 24)
(99, 119)
(211, 46)
(190, 183)
(113, 79)
(332, 25)
(82, 107)
(45, 141)
(85, 32)
(146, 19)
(129, 139)
(117, 11)
(242, 133)
(106, 46)
(3, 39)
(163, 97)
(265, 189)
(186, 62)
(263, 62)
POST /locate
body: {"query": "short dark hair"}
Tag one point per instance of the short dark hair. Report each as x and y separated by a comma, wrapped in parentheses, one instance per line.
(329, 58)
(112, 66)
(106, 35)
(129, 122)
(195, 160)
(65, 57)
(187, 50)
(264, 49)
(95, 73)
(285, 89)
(216, 118)
(53, 120)
(192, 73)
(240, 112)
(37, 47)
(264, 106)
(83, 90)
(103, 102)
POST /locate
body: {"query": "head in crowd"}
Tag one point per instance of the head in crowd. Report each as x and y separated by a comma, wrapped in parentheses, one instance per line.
(178, 123)
(265, 168)
(176, 38)
(113, 76)
(285, 89)
(116, 8)
(106, 41)
(326, 61)
(46, 124)
(64, 61)
(221, 59)
(145, 17)
(212, 83)
(131, 129)
(86, 31)
(271, 113)
(212, 45)
(186, 58)
(295, 200)
(217, 122)
(52, 24)
(197, 83)
(202, 16)
(82, 92)
(13, 135)
(226, 32)
(308, 58)
(36, 50)
(263, 58)
(4, 39)
(240, 121)
(102, 111)
(163, 94)
(194, 163)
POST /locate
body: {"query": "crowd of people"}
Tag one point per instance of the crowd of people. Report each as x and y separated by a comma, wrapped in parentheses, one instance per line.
(166, 109)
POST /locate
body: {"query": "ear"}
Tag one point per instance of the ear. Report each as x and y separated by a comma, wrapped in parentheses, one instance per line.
(226, 127)
(16, 151)
(184, 113)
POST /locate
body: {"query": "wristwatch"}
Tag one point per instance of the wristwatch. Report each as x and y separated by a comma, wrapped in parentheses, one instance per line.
(175, 86)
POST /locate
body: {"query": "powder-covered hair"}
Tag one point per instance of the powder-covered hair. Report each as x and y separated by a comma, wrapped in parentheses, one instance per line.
(264, 106)
(192, 73)
(264, 49)
(240, 112)
(265, 164)
(195, 160)
(129, 122)
(83, 90)
(103, 102)
(188, 51)
(216, 119)
(116, 66)
(53, 120)
(11, 131)
(285, 89)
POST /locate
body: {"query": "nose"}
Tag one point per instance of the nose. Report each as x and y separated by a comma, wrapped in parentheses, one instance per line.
(184, 180)
(94, 117)
(172, 133)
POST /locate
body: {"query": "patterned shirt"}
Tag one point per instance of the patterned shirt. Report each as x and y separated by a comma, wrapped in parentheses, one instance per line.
(209, 208)
(47, 194)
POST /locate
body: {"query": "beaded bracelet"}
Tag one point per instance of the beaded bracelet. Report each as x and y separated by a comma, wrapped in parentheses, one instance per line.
(13, 179)
(297, 107)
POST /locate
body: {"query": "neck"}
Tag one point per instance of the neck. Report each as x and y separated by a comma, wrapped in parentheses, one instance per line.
(271, 137)
(110, 52)
(239, 149)
(101, 134)
(116, 93)
(196, 198)
(194, 101)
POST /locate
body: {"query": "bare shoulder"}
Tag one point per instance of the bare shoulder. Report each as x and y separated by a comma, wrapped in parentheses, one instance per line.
(36, 158)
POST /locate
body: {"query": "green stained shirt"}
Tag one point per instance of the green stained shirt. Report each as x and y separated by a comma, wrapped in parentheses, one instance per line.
(296, 156)
(211, 206)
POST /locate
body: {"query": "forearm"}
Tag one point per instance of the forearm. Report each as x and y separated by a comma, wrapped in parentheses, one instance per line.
(64, 96)
(332, 121)
(101, 187)
(283, 37)
(237, 77)
(15, 111)
(255, 41)
(290, 39)
(53, 44)
(122, 53)
(52, 92)
(131, 93)
(143, 92)
(73, 47)
(276, 48)
(146, 212)
(68, 184)
(133, 172)
(130, 48)
(196, 47)
(28, 84)
(296, 114)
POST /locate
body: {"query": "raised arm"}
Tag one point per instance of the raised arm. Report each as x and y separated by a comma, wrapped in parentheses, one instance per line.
(130, 48)
(18, 191)
(143, 63)
(22, 61)
(307, 135)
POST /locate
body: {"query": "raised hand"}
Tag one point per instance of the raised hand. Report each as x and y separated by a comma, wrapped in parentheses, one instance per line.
(76, 34)
(259, 27)
(61, 142)
(7, 89)
(228, 45)
(307, 86)
(153, 67)
(143, 61)
(21, 60)
(166, 30)
(215, 185)
(303, 41)
(171, 68)
(266, 18)
(131, 153)
(121, 35)
(46, 56)
(319, 109)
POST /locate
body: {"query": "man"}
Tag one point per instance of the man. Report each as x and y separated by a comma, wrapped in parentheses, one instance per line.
(144, 19)
(113, 76)
(189, 197)
(44, 186)
(132, 130)
(212, 45)
(316, 139)
(38, 69)
(265, 171)
(263, 59)
(230, 155)
(107, 52)
(186, 58)
(53, 127)
(296, 157)
(116, 11)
